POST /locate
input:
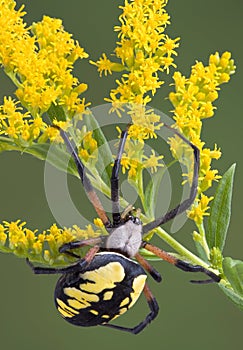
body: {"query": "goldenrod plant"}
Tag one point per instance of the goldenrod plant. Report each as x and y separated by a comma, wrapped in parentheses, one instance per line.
(39, 59)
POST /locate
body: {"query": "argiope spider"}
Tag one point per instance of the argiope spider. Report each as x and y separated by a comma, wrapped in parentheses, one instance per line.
(107, 281)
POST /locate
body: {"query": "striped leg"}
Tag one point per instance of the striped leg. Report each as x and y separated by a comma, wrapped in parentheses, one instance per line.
(115, 179)
(183, 265)
(92, 195)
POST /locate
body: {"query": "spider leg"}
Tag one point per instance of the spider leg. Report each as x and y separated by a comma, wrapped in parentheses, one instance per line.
(79, 244)
(180, 208)
(77, 267)
(115, 179)
(150, 269)
(92, 195)
(183, 265)
(154, 309)
(51, 270)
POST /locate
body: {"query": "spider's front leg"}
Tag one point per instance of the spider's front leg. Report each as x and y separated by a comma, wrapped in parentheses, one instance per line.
(185, 204)
(65, 248)
(79, 266)
(89, 189)
(39, 270)
(181, 264)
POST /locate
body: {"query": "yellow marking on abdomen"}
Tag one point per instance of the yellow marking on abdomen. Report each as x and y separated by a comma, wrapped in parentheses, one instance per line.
(108, 295)
(94, 312)
(137, 286)
(77, 305)
(122, 310)
(64, 313)
(80, 295)
(65, 310)
(83, 299)
(125, 302)
(105, 277)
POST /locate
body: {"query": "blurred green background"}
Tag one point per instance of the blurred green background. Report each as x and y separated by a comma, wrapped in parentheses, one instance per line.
(191, 316)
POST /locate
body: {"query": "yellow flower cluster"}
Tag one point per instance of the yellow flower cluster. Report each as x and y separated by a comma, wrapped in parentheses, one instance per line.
(193, 101)
(134, 160)
(143, 50)
(21, 127)
(145, 124)
(39, 60)
(42, 247)
(200, 209)
(88, 150)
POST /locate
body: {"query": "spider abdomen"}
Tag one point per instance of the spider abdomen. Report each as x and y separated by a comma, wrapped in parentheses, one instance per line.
(109, 286)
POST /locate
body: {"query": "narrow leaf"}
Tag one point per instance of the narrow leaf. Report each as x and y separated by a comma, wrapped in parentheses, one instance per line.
(219, 218)
(233, 270)
(151, 193)
(105, 157)
(57, 156)
(7, 144)
(233, 296)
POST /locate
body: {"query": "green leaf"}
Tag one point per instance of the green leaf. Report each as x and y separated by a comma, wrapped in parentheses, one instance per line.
(56, 112)
(220, 211)
(7, 144)
(151, 193)
(233, 270)
(55, 155)
(149, 255)
(105, 157)
(233, 296)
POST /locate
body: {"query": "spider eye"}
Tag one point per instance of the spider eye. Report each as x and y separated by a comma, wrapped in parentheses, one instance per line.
(135, 220)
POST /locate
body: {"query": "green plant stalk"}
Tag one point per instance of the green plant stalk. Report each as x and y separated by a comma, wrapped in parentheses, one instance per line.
(140, 186)
(203, 240)
(179, 248)
(12, 76)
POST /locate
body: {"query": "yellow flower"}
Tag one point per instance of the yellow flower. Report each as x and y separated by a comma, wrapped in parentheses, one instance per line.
(152, 162)
(199, 210)
(208, 177)
(88, 147)
(103, 64)
(125, 162)
(98, 222)
(3, 236)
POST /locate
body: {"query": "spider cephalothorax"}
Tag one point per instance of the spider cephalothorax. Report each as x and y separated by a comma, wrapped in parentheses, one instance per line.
(109, 279)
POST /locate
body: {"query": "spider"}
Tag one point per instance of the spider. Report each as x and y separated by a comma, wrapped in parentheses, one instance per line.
(109, 279)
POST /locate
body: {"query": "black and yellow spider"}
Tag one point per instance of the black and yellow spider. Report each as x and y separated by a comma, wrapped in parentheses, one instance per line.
(108, 281)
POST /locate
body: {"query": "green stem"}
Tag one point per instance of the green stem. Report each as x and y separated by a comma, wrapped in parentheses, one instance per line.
(12, 76)
(140, 186)
(203, 240)
(180, 249)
